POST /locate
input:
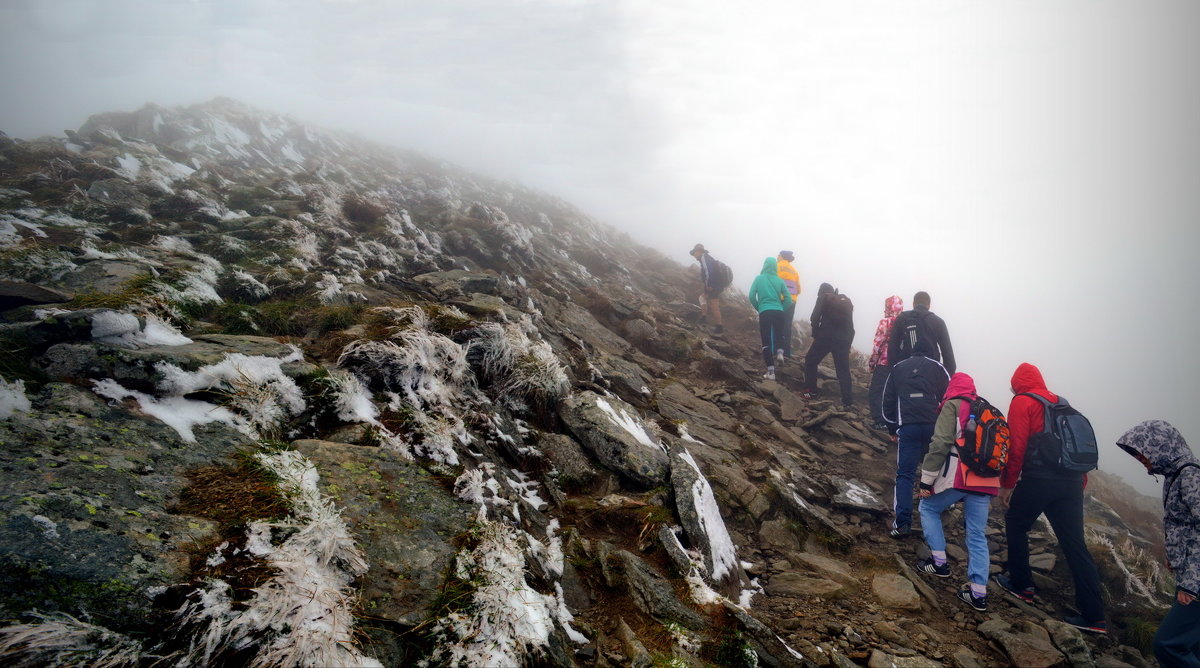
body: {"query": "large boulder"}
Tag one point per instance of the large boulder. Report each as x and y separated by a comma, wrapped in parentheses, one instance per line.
(701, 519)
(403, 521)
(89, 491)
(1029, 647)
(616, 436)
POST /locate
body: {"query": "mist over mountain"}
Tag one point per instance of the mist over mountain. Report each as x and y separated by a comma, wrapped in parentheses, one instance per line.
(273, 395)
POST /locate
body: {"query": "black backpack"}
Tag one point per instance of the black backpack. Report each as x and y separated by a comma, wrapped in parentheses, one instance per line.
(1067, 442)
(722, 275)
(914, 329)
(838, 311)
(984, 450)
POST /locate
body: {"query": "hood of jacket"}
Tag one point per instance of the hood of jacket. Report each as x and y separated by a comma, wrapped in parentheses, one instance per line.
(770, 266)
(1028, 378)
(893, 306)
(824, 289)
(1160, 443)
(961, 385)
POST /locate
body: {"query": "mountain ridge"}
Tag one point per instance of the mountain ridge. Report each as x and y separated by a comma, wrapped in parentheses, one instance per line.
(506, 416)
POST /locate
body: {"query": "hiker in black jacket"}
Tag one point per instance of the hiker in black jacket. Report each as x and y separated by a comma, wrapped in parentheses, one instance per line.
(921, 323)
(832, 333)
(911, 397)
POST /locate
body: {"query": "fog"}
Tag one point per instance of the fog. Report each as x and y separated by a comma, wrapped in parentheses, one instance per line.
(1034, 166)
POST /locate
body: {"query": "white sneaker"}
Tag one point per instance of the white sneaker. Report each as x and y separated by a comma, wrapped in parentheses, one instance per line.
(779, 356)
(770, 374)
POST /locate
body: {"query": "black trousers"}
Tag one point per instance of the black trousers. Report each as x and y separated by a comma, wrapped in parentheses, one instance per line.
(1062, 502)
(770, 328)
(875, 395)
(841, 363)
(789, 315)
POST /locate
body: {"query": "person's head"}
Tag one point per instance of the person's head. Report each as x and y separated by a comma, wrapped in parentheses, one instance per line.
(697, 251)
(825, 289)
(1027, 378)
(1156, 444)
(893, 305)
(770, 266)
(786, 255)
(921, 299)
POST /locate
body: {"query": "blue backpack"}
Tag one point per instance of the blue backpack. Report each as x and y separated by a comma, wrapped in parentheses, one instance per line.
(1067, 442)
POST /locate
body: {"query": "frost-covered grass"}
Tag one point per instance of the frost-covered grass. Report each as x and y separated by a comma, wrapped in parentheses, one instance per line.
(302, 616)
(127, 330)
(260, 395)
(519, 366)
(13, 399)
(62, 640)
(505, 622)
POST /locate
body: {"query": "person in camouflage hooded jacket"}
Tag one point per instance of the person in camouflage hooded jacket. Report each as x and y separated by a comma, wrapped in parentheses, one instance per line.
(1162, 450)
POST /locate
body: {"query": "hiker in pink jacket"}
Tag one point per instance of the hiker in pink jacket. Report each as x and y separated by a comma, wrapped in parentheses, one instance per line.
(878, 362)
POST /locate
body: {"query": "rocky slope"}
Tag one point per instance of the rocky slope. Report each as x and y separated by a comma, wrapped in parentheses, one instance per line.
(275, 396)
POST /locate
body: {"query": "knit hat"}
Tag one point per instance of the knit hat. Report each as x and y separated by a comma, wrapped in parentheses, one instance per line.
(787, 255)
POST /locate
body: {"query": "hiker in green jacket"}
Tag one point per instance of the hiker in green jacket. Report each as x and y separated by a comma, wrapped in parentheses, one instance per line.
(768, 294)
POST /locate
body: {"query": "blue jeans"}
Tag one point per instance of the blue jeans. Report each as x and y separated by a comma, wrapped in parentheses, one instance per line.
(975, 515)
(910, 449)
(1177, 642)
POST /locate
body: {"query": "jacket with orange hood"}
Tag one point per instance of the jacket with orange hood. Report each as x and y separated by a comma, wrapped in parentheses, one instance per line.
(1026, 417)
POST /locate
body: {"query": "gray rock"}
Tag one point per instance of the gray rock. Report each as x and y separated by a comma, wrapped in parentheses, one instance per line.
(881, 659)
(1043, 562)
(702, 523)
(809, 514)
(457, 283)
(635, 651)
(890, 632)
(895, 591)
(653, 594)
(965, 658)
(771, 650)
(1023, 649)
(615, 434)
(403, 521)
(856, 495)
(88, 497)
(117, 192)
(826, 567)
(777, 535)
(1069, 640)
(803, 586)
(575, 470)
(103, 276)
(20, 293)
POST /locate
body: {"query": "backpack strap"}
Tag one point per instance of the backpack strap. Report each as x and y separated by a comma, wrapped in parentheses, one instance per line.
(1171, 485)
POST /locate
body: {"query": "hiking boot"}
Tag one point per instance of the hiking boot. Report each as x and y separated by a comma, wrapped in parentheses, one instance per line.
(979, 603)
(806, 395)
(900, 532)
(1099, 628)
(1027, 594)
(927, 565)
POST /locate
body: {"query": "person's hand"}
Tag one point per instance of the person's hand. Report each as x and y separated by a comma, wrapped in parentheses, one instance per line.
(1006, 496)
(925, 493)
(1184, 598)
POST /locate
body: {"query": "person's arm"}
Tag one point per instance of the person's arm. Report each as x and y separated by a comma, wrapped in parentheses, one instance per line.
(945, 434)
(894, 341)
(753, 296)
(889, 400)
(946, 349)
(881, 340)
(815, 319)
(1019, 425)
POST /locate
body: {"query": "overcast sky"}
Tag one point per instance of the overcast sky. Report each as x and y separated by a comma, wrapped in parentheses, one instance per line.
(1034, 165)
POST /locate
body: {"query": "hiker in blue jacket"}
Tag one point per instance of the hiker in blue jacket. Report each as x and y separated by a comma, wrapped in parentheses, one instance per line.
(768, 293)
(1162, 450)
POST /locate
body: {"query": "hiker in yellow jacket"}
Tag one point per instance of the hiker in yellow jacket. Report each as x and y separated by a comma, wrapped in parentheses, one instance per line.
(791, 278)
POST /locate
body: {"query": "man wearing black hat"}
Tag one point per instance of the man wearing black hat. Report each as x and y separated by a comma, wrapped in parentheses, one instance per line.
(710, 278)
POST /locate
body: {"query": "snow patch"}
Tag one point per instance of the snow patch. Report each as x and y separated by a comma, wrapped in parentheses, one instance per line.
(13, 399)
(630, 424)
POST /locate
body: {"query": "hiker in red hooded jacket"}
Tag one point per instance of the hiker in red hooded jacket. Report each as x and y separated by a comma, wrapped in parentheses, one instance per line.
(1028, 489)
